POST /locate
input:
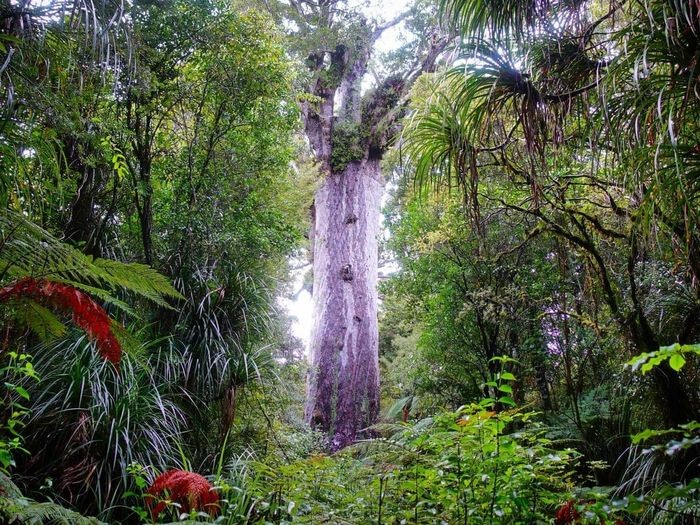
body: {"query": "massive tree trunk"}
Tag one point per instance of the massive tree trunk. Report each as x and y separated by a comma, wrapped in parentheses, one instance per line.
(343, 387)
(343, 395)
(348, 135)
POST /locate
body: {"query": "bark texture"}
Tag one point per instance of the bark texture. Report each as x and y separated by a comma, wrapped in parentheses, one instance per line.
(343, 395)
(348, 134)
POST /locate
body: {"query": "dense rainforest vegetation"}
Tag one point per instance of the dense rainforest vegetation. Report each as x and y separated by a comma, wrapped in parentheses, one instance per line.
(529, 173)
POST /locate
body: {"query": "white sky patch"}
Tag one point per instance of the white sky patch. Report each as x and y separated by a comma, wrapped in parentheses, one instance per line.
(387, 10)
(300, 306)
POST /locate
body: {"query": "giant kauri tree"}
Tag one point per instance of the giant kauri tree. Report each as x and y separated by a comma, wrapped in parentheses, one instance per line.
(348, 133)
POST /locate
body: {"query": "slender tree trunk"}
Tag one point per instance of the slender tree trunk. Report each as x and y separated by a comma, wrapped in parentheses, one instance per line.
(80, 224)
(142, 126)
(343, 393)
(146, 221)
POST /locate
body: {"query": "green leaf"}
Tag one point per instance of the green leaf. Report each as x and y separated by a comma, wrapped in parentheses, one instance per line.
(649, 433)
(677, 362)
(506, 400)
(22, 392)
(6, 458)
(643, 435)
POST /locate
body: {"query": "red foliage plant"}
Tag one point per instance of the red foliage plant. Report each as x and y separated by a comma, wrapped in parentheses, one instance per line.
(567, 514)
(87, 314)
(190, 490)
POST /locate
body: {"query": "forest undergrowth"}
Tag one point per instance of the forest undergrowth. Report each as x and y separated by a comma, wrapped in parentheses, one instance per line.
(162, 169)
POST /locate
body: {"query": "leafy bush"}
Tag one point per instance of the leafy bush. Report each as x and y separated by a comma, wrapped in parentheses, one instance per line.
(474, 465)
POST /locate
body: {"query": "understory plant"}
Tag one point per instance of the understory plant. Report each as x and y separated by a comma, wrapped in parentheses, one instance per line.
(90, 421)
(661, 483)
(487, 462)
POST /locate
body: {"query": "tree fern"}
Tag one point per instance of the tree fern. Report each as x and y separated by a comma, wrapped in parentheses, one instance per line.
(46, 272)
(28, 250)
(16, 509)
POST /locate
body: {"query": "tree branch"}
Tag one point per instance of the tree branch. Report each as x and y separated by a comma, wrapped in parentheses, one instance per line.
(387, 25)
(438, 43)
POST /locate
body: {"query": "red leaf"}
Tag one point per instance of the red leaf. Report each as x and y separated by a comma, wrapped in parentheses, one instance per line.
(567, 514)
(87, 314)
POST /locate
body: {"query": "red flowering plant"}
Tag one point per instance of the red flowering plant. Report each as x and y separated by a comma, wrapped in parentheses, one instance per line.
(189, 490)
(86, 313)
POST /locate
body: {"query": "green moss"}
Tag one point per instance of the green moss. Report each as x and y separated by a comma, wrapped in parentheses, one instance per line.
(346, 145)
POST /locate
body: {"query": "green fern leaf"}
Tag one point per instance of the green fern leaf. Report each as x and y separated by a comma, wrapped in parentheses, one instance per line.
(28, 250)
(41, 321)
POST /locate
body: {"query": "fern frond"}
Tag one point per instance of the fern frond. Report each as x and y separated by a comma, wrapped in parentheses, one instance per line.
(8, 489)
(140, 279)
(16, 509)
(86, 313)
(28, 250)
(101, 294)
(41, 320)
(27, 512)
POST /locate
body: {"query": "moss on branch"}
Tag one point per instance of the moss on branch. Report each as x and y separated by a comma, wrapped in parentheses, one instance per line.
(347, 145)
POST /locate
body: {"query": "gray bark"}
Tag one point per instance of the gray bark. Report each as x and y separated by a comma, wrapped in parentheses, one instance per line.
(343, 396)
(343, 386)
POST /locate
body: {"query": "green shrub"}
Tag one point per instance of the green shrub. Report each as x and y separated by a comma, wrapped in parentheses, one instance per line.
(474, 465)
(347, 146)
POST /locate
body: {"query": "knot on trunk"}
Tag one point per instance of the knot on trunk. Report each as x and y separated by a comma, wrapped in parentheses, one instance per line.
(346, 272)
(351, 219)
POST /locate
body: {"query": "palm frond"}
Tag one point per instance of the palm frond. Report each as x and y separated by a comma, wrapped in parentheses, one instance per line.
(434, 139)
(503, 19)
